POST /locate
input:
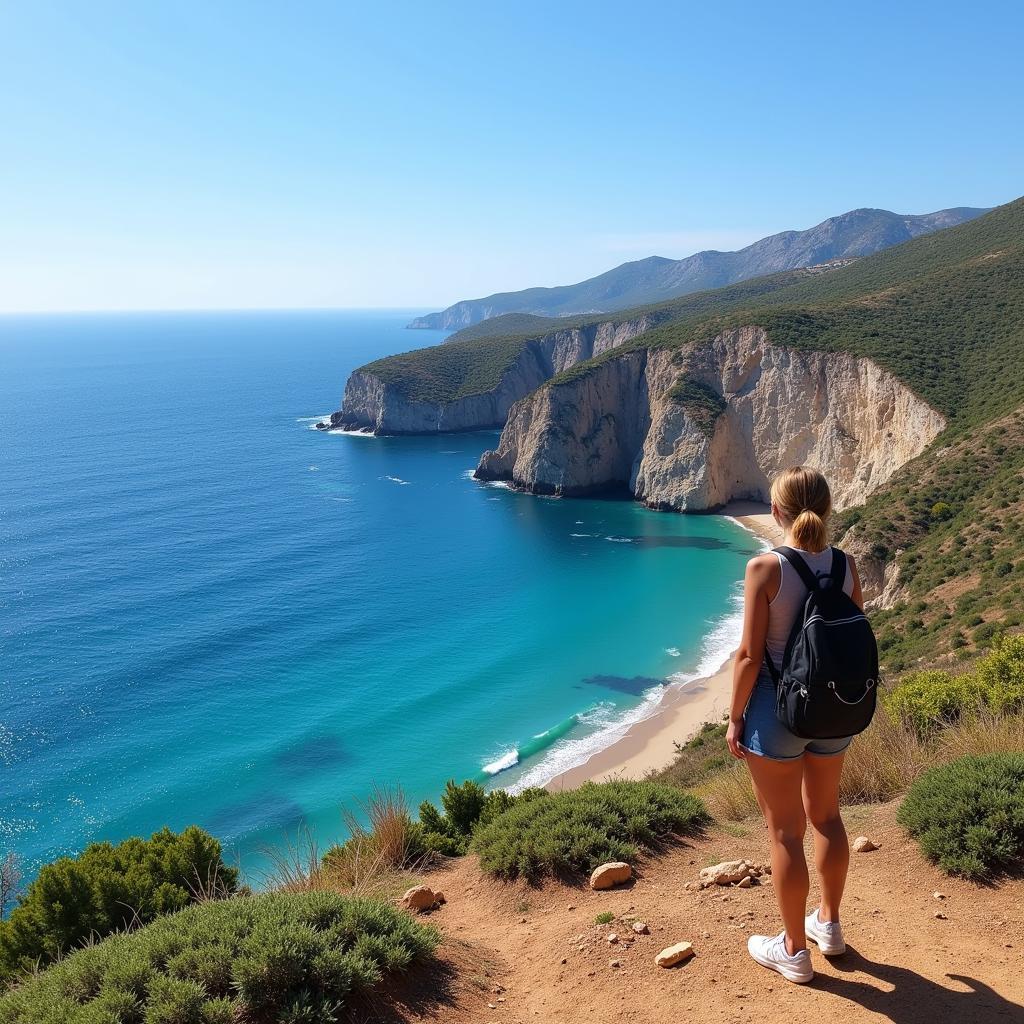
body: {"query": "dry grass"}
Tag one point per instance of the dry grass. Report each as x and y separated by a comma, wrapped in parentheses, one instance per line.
(377, 852)
(882, 762)
(381, 847)
(295, 865)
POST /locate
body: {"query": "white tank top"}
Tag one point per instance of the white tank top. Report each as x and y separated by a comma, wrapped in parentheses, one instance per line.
(789, 601)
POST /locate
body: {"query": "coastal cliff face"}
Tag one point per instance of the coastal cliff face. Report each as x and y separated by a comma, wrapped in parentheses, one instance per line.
(627, 423)
(373, 405)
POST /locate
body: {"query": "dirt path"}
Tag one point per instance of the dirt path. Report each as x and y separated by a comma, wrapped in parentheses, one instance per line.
(537, 954)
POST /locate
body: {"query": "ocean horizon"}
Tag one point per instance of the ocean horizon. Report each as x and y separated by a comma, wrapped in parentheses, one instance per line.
(214, 613)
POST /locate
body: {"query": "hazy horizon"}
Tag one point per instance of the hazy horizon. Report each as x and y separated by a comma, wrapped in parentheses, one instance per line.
(188, 157)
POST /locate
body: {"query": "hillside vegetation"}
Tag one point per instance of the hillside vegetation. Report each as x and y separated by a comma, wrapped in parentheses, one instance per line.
(473, 362)
(657, 279)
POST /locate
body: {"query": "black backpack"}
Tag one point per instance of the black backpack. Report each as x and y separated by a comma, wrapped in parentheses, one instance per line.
(827, 685)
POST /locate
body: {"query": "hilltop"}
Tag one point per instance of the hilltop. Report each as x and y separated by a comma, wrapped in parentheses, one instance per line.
(657, 279)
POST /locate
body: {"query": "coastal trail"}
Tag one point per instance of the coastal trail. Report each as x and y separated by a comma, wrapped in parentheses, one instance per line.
(518, 953)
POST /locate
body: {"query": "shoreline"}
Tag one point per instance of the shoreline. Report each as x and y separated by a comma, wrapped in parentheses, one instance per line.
(649, 745)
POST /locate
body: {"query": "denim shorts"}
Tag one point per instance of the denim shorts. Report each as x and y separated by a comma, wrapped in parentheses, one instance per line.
(766, 736)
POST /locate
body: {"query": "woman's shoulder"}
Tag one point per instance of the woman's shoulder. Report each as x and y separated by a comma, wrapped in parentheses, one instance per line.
(763, 563)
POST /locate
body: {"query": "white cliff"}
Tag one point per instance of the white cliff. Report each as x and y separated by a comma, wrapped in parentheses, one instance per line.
(371, 404)
(620, 425)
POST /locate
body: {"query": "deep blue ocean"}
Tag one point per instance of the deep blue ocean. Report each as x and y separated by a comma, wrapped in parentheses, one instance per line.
(212, 613)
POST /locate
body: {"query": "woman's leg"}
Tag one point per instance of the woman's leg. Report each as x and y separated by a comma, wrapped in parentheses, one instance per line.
(778, 791)
(831, 846)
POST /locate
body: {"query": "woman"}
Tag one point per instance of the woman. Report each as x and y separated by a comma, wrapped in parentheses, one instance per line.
(796, 780)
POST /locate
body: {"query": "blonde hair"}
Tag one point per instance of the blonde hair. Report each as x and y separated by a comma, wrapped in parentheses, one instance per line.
(803, 498)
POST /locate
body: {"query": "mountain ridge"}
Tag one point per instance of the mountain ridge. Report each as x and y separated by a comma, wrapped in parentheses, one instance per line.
(653, 279)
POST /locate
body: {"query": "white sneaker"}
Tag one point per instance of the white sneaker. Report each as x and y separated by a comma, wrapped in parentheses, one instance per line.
(827, 934)
(770, 951)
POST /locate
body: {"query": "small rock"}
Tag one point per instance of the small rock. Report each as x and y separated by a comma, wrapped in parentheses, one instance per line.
(940, 916)
(419, 897)
(439, 900)
(641, 928)
(572, 906)
(705, 935)
(726, 873)
(564, 960)
(607, 875)
(745, 883)
(612, 938)
(614, 963)
(672, 955)
(938, 895)
(492, 1006)
(863, 845)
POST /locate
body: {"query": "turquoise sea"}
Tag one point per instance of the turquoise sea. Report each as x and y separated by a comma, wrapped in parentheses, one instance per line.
(212, 613)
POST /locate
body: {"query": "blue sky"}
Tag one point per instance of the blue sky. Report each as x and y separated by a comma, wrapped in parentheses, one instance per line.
(218, 154)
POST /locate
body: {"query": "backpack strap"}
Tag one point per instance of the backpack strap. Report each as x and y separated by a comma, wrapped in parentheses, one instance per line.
(803, 570)
(838, 568)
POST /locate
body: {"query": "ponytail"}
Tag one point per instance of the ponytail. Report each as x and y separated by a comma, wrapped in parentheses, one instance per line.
(809, 531)
(803, 497)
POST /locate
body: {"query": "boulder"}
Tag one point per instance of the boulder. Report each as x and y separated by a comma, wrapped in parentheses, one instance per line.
(672, 955)
(607, 875)
(419, 897)
(863, 845)
(726, 873)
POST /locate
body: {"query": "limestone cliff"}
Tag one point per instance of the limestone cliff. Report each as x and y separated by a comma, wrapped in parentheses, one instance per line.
(372, 404)
(628, 422)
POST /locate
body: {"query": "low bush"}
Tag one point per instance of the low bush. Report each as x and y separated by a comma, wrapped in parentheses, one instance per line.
(276, 957)
(578, 829)
(928, 701)
(466, 807)
(1001, 675)
(108, 888)
(968, 815)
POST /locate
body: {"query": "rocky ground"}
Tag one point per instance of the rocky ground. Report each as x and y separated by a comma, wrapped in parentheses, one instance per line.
(922, 947)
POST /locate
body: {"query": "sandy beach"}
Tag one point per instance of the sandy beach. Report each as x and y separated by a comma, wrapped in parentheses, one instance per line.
(650, 744)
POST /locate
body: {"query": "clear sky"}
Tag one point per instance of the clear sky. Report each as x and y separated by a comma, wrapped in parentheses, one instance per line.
(219, 154)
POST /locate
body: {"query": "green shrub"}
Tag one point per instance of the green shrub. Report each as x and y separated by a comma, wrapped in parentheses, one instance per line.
(466, 808)
(578, 829)
(273, 957)
(929, 700)
(108, 888)
(968, 815)
(1001, 674)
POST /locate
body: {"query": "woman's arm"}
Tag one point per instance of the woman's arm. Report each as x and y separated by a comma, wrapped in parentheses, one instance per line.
(750, 656)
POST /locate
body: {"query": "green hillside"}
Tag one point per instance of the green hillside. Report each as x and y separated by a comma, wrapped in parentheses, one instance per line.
(473, 362)
(944, 313)
(941, 311)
